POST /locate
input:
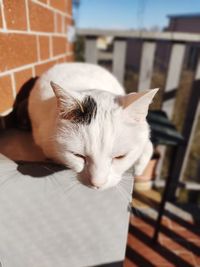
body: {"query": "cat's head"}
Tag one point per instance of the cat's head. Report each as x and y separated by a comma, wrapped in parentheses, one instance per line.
(99, 134)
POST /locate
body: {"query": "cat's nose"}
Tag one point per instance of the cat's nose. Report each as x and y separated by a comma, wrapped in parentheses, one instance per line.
(97, 183)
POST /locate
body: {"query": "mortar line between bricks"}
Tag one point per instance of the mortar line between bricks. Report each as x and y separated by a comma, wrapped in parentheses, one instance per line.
(51, 46)
(63, 25)
(33, 71)
(27, 15)
(38, 48)
(3, 15)
(52, 8)
(13, 85)
(55, 22)
(9, 72)
(33, 32)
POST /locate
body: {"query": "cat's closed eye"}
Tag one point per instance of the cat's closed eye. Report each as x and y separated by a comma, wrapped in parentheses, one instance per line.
(79, 156)
(120, 157)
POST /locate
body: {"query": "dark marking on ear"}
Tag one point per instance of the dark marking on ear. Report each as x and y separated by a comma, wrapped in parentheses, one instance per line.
(84, 115)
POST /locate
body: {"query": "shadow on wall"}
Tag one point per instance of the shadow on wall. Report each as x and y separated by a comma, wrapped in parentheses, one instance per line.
(19, 118)
(35, 167)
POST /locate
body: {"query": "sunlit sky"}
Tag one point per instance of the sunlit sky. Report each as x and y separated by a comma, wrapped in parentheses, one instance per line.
(131, 13)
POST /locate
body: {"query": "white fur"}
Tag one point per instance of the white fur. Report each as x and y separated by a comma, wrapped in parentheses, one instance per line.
(119, 128)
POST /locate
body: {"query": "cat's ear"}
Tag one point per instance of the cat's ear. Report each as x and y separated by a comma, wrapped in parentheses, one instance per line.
(135, 105)
(67, 101)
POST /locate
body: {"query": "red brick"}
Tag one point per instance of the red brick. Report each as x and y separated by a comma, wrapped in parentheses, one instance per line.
(196, 243)
(166, 222)
(41, 68)
(177, 227)
(41, 18)
(44, 47)
(187, 234)
(15, 14)
(187, 256)
(197, 260)
(61, 60)
(146, 251)
(173, 244)
(60, 5)
(43, 1)
(59, 45)
(142, 226)
(16, 50)
(128, 263)
(1, 22)
(59, 22)
(21, 77)
(70, 58)
(69, 7)
(6, 99)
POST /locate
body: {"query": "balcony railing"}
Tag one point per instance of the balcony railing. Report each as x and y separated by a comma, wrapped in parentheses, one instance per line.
(149, 40)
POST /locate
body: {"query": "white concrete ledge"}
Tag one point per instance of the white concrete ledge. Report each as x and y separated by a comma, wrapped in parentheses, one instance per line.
(154, 36)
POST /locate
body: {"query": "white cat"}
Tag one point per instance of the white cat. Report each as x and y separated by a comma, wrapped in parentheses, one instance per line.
(88, 123)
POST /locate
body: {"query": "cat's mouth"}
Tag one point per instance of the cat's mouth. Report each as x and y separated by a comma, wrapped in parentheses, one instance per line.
(86, 182)
(93, 187)
(96, 188)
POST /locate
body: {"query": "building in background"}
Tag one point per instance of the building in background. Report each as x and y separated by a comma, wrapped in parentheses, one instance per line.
(186, 23)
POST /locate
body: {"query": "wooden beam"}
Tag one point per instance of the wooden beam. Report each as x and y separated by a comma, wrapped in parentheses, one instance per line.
(119, 58)
(172, 83)
(185, 184)
(105, 55)
(190, 142)
(173, 77)
(146, 65)
(192, 114)
(91, 50)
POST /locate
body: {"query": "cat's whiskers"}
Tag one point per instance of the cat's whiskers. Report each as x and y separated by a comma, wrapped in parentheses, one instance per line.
(55, 182)
(127, 181)
(128, 177)
(125, 184)
(71, 189)
(65, 189)
(13, 176)
(125, 196)
(133, 208)
(7, 171)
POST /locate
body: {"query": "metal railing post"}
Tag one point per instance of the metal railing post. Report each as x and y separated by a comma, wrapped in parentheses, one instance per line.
(91, 50)
(146, 65)
(119, 57)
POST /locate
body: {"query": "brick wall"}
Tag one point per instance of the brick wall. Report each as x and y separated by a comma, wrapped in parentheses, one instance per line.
(32, 39)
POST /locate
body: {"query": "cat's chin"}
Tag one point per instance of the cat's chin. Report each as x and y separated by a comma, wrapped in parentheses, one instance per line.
(108, 185)
(103, 188)
(96, 188)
